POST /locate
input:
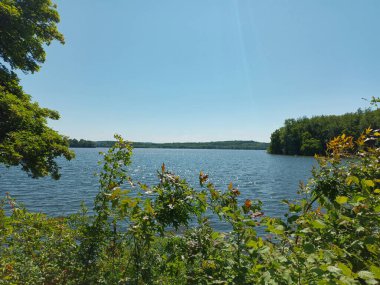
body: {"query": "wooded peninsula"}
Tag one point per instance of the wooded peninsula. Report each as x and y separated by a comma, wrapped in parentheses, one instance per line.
(309, 136)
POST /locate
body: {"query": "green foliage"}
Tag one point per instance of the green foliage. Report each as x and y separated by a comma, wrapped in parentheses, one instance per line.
(25, 27)
(275, 145)
(160, 234)
(25, 138)
(309, 136)
(335, 241)
(36, 249)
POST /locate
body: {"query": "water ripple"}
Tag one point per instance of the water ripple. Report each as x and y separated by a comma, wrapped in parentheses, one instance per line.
(258, 175)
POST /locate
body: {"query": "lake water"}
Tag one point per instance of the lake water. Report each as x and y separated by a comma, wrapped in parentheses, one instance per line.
(258, 175)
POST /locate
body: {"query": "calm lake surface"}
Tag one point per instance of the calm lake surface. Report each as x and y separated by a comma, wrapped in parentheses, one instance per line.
(258, 175)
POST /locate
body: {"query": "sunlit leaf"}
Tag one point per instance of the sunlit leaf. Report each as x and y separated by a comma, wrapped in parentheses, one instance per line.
(341, 199)
(318, 224)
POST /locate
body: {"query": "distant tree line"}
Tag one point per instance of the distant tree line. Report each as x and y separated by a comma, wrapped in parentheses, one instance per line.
(82, 143)
(248, 145)
(309, 136)
(207, 145)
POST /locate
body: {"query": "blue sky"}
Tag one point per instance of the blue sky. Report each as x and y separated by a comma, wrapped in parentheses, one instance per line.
(206, 70)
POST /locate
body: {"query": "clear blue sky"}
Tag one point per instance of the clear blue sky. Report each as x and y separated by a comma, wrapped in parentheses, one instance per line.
(206, 70)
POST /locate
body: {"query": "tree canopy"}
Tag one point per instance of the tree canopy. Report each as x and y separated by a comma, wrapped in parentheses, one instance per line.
(26, 26)
(309, 136)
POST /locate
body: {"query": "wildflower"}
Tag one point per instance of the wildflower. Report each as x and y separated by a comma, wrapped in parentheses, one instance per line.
(248, 203)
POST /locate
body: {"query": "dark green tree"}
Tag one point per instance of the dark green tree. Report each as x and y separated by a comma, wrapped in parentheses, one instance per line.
(275, 146)
(310, 146)
(26, 26)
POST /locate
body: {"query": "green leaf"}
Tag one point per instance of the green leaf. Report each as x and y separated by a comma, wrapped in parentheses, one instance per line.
(295, 208)
(215, 235)
(264, 249)
(278, 229)
(352, 179)
(360, 229)
(372, 248)
(366, 275)
(345, 269)
(341, 199)
(368, 183)
(251, 243)
(309, 248)
(358, 198)
(376, 271)
(306, 230)
(334, 269)
(318, 224)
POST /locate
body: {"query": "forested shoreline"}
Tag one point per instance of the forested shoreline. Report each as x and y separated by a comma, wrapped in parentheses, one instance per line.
(243, 145)
(74, 143)
(309, 136)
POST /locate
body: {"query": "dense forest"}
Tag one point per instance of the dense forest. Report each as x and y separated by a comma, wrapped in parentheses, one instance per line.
(309, 136)
(253, 145)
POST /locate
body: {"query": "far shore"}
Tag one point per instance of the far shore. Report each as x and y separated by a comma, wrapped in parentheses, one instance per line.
(242, 145)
